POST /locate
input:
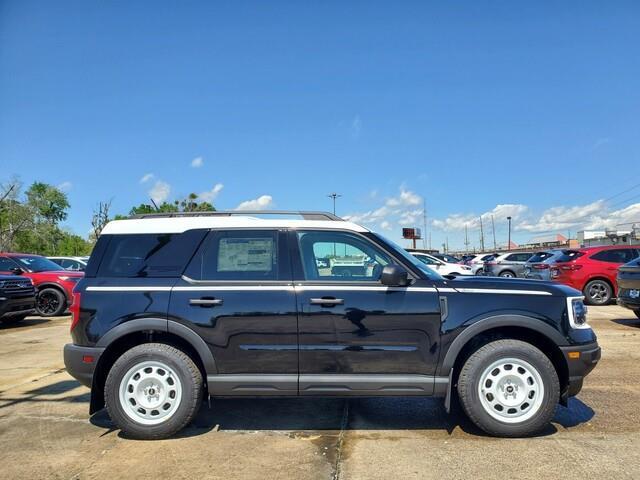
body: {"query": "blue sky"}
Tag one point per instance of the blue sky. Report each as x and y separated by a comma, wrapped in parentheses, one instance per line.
(523, 109)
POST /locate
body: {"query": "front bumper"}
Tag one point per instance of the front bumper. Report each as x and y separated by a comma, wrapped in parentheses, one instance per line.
(580, 360)
(11, 307)
(81, 362)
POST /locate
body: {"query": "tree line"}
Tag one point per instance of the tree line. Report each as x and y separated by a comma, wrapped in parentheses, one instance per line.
(31, 218)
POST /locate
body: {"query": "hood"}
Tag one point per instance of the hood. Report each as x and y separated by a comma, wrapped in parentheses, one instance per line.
(497, 283)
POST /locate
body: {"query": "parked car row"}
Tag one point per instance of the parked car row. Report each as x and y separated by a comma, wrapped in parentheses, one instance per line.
(52, 284)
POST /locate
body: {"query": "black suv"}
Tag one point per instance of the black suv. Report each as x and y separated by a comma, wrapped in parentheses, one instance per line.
(17, 298)
(176, 307)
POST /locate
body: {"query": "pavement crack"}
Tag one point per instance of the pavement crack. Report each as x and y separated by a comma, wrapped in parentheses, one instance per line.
(343, 428)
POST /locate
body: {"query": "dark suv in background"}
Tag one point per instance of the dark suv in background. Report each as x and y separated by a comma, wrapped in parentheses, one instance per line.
(177, 307)
(17, 298)
(629, 286)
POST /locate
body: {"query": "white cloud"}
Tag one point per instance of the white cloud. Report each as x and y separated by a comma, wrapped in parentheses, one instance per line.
(197, 162)
(458, 221)
(211, 195)
(263, 202)
(160, 191)
(147, 177)
(399, 210)
(65, 186)
(592, 216)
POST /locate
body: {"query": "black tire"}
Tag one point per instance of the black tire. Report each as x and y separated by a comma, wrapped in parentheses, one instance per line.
(506, 350)
(181, 366)
(50, 302)
(637, 312)
(597, 292)
(507, 274)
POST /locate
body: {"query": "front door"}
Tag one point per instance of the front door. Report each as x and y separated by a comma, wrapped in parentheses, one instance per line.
(237, 295)
(356, 335)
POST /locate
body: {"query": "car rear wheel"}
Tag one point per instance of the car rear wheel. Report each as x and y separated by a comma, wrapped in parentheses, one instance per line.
(507, 274)
(509, 388)
(50, 302)
(597, 292)
(153, 391)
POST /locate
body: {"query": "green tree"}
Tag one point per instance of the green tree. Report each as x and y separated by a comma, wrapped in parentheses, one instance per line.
(48, 202)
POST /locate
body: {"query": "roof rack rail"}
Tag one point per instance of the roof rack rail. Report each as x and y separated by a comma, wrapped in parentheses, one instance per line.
(228, 213)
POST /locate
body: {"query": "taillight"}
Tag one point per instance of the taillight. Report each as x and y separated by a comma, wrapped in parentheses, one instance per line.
(540, 266)
(75, 309)
(491, 263)
(572, 268)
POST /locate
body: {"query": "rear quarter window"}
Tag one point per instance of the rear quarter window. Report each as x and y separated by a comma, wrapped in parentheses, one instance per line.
(149, 255)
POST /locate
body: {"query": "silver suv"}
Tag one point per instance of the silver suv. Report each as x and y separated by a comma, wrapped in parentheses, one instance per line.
(507, 265)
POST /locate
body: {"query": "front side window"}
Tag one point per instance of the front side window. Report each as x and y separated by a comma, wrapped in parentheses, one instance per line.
(615, 256)
(237, 255)
(340, 256)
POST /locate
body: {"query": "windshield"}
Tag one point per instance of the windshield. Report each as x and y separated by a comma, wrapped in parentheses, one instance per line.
(37, 264)
(540, 257)
(569, 255)
(431, 274)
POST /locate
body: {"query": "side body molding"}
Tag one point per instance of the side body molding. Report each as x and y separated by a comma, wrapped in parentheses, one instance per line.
(163, 325)
(496, 321)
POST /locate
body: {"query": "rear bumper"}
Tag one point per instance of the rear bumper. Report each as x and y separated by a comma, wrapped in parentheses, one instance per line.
(81, 362)
(625, 300)
(586, 359)
(11, 307)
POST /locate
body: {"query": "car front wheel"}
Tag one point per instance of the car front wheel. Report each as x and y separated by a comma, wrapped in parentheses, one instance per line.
(152, 391)
(50, 302)
(509, 388)
(597, 292)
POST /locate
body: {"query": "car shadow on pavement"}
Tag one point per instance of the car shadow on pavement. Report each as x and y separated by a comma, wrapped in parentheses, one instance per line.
(627, 322)
(28, 322)
(330, 416)
(36, 394)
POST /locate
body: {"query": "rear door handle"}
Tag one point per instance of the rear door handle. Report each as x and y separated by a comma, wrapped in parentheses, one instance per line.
(205, 302)
(329, 302)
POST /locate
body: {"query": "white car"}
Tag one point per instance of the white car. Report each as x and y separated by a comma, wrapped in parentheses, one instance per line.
(443, 268)
(77, 264)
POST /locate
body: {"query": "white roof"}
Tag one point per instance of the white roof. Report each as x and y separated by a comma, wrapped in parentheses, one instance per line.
(182, 224)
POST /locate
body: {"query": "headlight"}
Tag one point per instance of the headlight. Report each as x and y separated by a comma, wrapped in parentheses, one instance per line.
(66, 278)
(577, 311)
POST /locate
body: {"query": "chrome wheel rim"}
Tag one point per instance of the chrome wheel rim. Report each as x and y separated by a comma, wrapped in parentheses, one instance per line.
(150, 392)
(507, 275)
(598, 292)
(511, 390)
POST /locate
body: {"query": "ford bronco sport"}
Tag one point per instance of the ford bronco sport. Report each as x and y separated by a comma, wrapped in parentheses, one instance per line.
(174, 307)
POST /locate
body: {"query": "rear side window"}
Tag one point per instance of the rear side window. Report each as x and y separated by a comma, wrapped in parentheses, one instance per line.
(149, 255)
(241, 255)
(540, 257)
(615, 256)
(569, 255)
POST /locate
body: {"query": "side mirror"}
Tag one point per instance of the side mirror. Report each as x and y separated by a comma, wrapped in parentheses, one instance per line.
(394, 276)
(17, 271)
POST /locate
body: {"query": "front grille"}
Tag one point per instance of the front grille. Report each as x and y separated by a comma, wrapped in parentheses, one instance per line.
(16, 286)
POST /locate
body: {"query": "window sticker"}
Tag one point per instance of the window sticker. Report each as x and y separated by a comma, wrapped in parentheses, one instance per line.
(245, 255)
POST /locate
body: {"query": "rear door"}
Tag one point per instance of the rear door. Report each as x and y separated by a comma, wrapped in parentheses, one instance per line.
(237, 294)
(611, 259)
(358, 336)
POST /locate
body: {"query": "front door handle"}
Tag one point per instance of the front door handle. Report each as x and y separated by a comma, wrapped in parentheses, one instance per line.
(205, 302)
(327, 301)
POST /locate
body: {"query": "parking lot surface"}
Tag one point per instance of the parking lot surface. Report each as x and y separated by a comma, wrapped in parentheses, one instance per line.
(45, 431)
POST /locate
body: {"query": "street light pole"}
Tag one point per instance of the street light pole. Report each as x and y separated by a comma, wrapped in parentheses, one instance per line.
(334, 196)
(509, 244)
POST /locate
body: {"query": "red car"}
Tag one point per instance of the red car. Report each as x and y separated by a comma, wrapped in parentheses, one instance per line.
(53, 285)
(593, 270)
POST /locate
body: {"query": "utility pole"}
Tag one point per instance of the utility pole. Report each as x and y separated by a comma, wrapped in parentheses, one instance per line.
(466, 239)
(509, 244)
(493, 227)
(481, 235)
(424, 223)
(447, 238)
(429, 240)
(334, 196)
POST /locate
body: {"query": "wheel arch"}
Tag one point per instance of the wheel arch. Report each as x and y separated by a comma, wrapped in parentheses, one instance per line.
(135, 332)
(518, 327)
(61, 289)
